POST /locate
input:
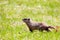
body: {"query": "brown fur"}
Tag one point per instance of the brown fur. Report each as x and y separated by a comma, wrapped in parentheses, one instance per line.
(36, 25)
(46, 28)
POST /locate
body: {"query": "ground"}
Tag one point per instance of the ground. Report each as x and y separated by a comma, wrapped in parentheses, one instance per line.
(13, 11)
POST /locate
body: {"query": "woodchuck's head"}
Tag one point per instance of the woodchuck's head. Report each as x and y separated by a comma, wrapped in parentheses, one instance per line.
(26, 20)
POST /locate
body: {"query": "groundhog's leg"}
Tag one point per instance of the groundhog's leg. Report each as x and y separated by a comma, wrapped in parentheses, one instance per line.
(47, 30)
(31, 30)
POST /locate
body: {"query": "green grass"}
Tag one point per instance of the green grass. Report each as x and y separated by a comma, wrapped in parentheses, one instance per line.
(13, 11)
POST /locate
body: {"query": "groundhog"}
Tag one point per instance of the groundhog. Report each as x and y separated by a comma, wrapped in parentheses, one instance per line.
(36, 25)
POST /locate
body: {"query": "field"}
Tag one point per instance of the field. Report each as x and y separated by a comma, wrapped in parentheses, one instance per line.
(13, 11)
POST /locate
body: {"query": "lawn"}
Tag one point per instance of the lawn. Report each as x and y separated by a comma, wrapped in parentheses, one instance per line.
(13, 11)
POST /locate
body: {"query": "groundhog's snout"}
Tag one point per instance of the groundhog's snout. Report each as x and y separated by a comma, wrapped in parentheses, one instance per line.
(24, 20)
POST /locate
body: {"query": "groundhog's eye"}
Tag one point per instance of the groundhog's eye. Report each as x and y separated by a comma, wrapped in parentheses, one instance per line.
(28, 19)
